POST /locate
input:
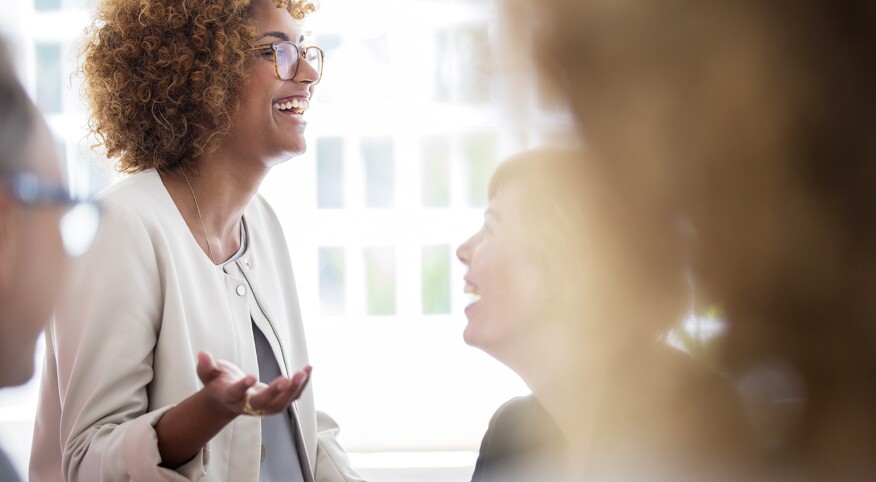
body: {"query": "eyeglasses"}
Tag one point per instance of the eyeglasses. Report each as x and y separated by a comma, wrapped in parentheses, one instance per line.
(78, 226)
(287, 56)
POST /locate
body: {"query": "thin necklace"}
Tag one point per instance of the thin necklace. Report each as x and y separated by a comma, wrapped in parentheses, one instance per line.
(200, 218)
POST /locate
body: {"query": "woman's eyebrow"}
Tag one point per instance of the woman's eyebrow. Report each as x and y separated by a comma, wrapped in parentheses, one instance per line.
(279, 35)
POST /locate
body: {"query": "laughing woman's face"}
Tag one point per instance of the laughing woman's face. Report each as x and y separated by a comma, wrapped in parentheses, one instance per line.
(507, 281)
(265, 124)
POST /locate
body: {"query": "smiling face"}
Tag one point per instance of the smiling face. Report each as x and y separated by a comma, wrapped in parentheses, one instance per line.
(504, 274)
(269, 121)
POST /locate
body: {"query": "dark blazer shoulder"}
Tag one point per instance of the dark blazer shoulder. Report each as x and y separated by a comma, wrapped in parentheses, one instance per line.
(520, 438)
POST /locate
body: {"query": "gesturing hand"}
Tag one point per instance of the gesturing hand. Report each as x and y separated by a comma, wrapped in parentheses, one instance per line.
(230, 388)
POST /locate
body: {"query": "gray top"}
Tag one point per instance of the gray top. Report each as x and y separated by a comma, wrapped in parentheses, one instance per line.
(7, 471)
(279, 454)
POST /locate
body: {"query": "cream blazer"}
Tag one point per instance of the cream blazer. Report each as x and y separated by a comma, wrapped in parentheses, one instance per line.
(122, 348)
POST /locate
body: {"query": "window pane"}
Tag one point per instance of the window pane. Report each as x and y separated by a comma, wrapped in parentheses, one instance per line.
(328, 85)
(49, 77)
(331, 281)
(435, 172)
(481, 158)
(443, 63)
(47, 4)
(436, 280)
(330, 172)
(380, 270)
(475, 67)
(378, 154)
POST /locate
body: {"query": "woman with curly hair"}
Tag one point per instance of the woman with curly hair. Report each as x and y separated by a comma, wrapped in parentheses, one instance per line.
(178, 352)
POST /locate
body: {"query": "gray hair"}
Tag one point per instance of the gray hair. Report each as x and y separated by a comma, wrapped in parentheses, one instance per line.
(18, 115)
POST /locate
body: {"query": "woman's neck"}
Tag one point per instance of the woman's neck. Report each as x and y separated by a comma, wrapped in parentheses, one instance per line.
(567, 376)
(212, 197)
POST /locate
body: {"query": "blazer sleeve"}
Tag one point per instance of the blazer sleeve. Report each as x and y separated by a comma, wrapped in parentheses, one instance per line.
(105, 333)
(332, 463)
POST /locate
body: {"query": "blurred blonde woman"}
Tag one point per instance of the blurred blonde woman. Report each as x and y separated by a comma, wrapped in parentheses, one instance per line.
(611, 399)
(752, 121)
(179, 352)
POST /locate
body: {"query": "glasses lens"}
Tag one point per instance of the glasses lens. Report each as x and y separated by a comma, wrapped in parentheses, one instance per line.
(79, 227)
(314, 58)
(287, 58)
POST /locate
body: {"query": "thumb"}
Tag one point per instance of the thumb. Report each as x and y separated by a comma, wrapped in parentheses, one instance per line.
(207, 368)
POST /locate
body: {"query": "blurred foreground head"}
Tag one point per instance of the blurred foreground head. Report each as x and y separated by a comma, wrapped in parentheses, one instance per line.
(752, 122)
(32, 256)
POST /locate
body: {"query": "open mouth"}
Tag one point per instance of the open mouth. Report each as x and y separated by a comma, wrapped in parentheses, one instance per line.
(472, 291)
(296, 107)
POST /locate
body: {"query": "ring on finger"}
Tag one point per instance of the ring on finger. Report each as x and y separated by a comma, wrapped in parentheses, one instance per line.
(247, 408)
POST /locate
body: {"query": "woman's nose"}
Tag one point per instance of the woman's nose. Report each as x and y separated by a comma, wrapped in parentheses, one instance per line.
(307, 73)
(463, 252)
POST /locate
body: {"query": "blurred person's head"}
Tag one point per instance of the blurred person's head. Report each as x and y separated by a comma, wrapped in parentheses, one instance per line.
(32, 256)
(543, 265)
(169, 83)
(753, 121)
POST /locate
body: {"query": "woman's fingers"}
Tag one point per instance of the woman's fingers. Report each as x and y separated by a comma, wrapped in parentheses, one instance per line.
(284, 397)
(261, 397)
(238, 390)
(280, 393)
(302, 384)
(293, 391)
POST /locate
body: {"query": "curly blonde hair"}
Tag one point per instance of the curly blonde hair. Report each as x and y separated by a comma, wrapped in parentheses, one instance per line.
(162, 77)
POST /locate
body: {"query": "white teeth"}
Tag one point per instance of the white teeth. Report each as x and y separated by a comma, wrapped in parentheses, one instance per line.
(298, 105)
(472, 293)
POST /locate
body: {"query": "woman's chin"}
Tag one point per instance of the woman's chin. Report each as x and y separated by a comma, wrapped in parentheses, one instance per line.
(469, 335)
(287, 154)
(474, 336)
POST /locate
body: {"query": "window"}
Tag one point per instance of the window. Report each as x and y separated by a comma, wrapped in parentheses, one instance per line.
(380, 272)
(436, 280)
(332, 271)
(379, 159)
(480, 160)
(48, 94)
(435, 172)
(330, 172)
(47, 4)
